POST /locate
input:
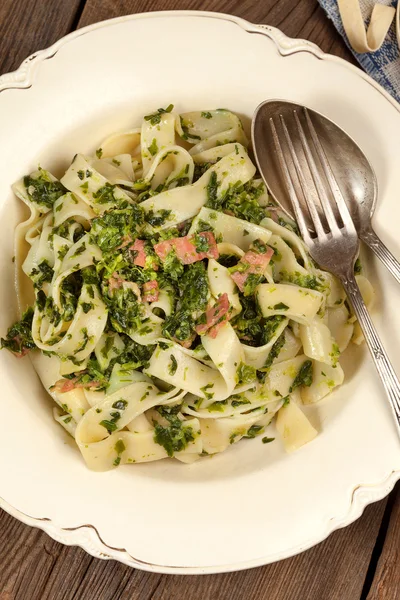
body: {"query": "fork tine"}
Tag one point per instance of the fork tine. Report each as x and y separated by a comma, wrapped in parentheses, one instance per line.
(310, 204)
(289, 184)
(337, 194)
(325, 203)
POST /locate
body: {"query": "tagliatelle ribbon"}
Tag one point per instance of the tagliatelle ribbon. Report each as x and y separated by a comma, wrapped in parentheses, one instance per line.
(363, 40)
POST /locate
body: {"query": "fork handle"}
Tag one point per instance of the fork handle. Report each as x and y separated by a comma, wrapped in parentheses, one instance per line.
(381, 359)
(378, 247)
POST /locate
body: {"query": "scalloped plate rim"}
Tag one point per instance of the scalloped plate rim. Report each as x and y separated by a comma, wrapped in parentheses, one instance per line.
(86, 536)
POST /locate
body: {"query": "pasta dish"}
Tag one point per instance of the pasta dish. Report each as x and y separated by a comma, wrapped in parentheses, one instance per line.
(174, 309)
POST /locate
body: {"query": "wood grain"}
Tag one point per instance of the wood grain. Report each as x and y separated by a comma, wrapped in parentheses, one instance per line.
(29, 25)
(386, 583)
(33, 566)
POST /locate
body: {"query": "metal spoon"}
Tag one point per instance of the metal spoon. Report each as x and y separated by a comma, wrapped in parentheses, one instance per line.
(352, 170)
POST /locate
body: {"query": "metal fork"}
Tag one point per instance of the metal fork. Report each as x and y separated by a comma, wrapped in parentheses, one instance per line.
(334, 243)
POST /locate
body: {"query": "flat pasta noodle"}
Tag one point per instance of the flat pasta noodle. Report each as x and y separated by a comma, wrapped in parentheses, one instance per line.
(257, 356)
(232, 230)
(184, 203)
(91, 186)
(297, 303)
(318, 342)
(126, 142)
(294, 427)
(208, 383)
(173, 308)
(171, 167)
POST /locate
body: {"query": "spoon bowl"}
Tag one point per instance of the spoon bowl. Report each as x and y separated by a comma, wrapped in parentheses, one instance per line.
(352, 170)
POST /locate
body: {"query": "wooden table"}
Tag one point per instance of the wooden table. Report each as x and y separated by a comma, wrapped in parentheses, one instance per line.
(360, 562)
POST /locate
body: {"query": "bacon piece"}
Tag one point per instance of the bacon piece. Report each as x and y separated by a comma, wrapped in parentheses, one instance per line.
(116, 281)
(240, 279)
(67, 385)
(185, 343)
(125, 241)
(214, 314)
(254, 262)
(64, 385)
(214, 331)
(150, 291)
(24, 352)
(185, 248)
(140, 256)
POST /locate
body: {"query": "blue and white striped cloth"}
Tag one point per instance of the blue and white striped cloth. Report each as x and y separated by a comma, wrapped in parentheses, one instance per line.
(382, 65)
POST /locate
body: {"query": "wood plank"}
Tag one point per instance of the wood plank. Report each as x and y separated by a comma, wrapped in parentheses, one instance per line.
(296, 18)
(29, 25)
(35, 567)
(27, 557)
(386, 583)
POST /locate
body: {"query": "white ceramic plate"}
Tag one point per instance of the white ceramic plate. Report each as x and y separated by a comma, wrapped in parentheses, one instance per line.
(253, 504)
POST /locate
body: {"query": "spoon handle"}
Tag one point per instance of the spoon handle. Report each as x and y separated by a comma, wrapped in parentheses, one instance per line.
(378, 352)
(382, 252)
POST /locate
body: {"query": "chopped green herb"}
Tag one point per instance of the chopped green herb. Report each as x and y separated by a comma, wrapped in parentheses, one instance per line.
(156, 219)
(254, 431)
(155, 118)
(334, 354)
(120, 404)
(42, 274)
(114, 227)
(153, 148)
(62, 252)
(217, 406)
(201, 242)
(19, 336)
(304, 376)
(305, 281)
(186, 133)
(236, 403)
(242, 200)
(173, 365)
(251, 283)
(245, 373)
(280, 306)
(110, 425)
(42, 190)
(80, 250)
(176, 436)
(274, 352)
(120, 447)
(212, 192)
(105, 194)
(87, 306)
(205, 391)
